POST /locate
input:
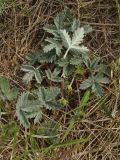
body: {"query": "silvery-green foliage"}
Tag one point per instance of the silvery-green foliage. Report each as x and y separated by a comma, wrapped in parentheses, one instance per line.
(61, 52)
(30, 73)
(54, 76)
(34, 57)
(95, 83)
(30, 106)
(98, 76)
(74, 42)
(66, 42)
(52, 44)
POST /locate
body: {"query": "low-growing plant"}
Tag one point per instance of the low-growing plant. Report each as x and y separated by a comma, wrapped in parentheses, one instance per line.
(63, 58)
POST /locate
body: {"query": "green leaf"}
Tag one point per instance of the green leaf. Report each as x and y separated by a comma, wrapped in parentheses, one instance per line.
(103, 80)
(34, 57)
(52, 105)
(41, 95)
(31, 72)
(48, 94)
(68, 69)
(54, 76)
(96, 88)
(48, 57)
(12, 94)
(69, 129)
(85, 99)
(51, 93)
(28, 77)
(79, 111)
(73, 44)
(86, 84)
(94, 64)
(22, 118)
(65, 38)
(53, 45)
(48, 47)
(95, 83)
(63, 62)
(75, 25)
(4, 85)
(78, 37)
(87, 29)
(80, 49)
(38, 76)
(6, 92)
(51, 29)
(69, 143)
(60, 19)
(27, 108)
(38, 117)
(47, 97)
(76, 60)
(22, 101)
(27, 68)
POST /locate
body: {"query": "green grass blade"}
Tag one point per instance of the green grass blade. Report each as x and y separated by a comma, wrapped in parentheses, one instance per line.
(70, 127)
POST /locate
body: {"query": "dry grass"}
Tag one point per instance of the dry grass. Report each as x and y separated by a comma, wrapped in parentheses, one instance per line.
(21, 32)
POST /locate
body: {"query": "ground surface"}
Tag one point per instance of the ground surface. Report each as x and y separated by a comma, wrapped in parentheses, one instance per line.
(21, 31)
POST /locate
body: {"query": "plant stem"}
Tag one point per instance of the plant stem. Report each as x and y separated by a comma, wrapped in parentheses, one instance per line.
(62, 88)
(66, 53)
(72, 79)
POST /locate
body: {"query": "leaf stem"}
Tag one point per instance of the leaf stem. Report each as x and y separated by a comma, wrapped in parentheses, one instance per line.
(62, 84)
(72, 79)
(66, 53)
(62, 88)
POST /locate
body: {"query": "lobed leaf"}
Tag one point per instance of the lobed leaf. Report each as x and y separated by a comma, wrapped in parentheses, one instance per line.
(78, 36)
(86, 84)
(65, 38)
(32, 72)
(54, 76)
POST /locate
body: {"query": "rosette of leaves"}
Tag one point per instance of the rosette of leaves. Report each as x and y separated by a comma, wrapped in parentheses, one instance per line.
(61, 52)
(64, 48)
